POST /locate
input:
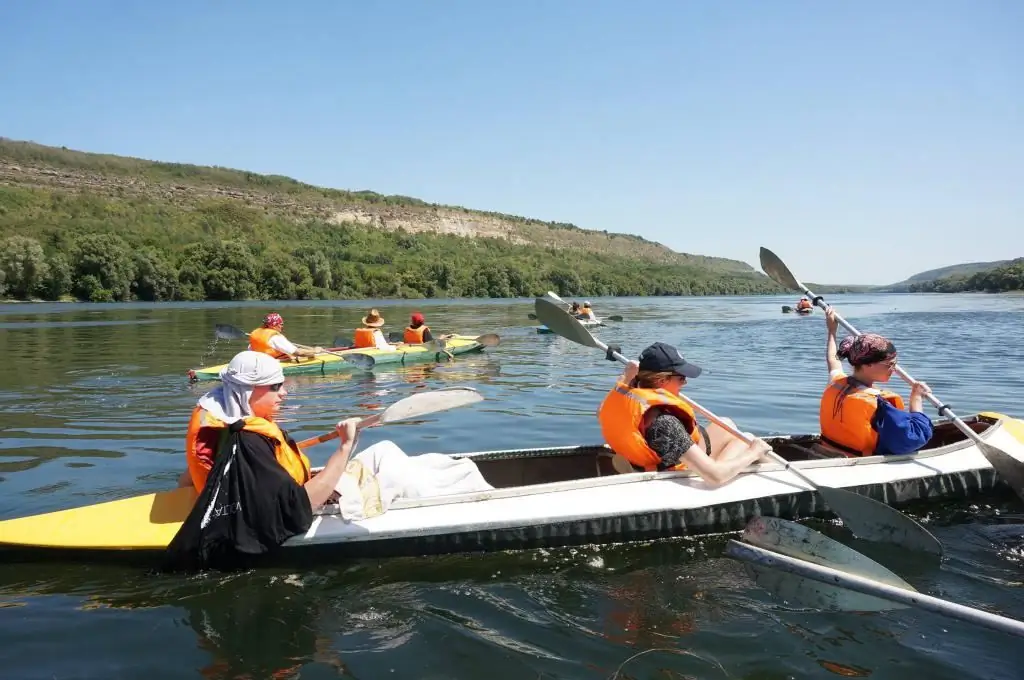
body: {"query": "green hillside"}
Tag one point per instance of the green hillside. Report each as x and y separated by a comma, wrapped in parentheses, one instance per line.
(103, 227)
(953, 271)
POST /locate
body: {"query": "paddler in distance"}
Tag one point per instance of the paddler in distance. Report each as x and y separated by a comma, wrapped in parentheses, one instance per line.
(855, 417)
(643, 420)
(418, 333)
(586, 313)
(269, 340)
(370, 335)
(255, 486)
(804, 304)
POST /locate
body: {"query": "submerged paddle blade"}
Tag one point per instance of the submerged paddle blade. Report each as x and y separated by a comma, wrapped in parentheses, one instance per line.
(779, 574)
(777, 270)
(364, 361)
(558, 321)
(874, 521)
(614, 317)
(531, 317)
(339, 341)
(430, 402)
(1009, 469)
(797, 540)
(489, 339)
(224, 331)
(396, 336)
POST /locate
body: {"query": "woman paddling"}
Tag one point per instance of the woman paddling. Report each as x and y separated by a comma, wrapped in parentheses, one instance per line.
(855, 417)
(644, 420)
(255, 485)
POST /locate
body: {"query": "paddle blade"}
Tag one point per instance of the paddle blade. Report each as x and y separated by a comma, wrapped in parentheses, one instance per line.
(777, 270)
(364, 361)
(614, 317)
(874, 521)
(786, 309)
(558, 321)
(555, 297)
(1009, 469)
(531, 317)
(797, 540)
(396, 336)
(340, 341)
(489, 339)
(430, 402)
(775, 573)
(227, 332)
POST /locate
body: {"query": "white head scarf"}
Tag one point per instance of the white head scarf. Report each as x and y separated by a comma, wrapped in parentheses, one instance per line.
(230, 401)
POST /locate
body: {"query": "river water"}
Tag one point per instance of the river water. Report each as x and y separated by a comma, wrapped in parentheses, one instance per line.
(93, 406)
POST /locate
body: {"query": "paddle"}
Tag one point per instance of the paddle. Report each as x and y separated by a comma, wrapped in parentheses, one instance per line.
(864, 516)
(781, 556)
(613, 317)
(1006, 466)
(487, 339)
(228, 332)
(413, 406)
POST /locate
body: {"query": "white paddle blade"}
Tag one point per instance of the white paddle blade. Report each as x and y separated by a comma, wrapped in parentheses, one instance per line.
(775, 573)
(797, 540)
(875, 521)
(430, 402)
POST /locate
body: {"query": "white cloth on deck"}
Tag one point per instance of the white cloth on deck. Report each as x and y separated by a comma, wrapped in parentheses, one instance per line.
(382, 473)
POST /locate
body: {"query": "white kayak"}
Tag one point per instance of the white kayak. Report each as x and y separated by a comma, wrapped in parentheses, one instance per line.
(563, 496)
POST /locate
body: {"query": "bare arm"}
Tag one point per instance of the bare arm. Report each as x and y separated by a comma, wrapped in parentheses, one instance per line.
(320, 488)
(717, 472)
(834, 364)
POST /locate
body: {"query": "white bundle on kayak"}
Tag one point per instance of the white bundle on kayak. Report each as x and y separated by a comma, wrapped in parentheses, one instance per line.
(383, 473)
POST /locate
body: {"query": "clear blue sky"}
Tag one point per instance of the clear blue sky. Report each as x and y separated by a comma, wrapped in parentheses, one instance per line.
(862, 141)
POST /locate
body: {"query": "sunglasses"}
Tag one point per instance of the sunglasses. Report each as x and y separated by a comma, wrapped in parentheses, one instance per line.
(276, 388)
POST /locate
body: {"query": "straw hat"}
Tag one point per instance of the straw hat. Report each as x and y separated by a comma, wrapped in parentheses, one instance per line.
(373, 319)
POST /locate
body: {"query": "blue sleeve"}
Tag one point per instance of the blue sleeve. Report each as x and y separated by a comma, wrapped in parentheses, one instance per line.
(900, 432)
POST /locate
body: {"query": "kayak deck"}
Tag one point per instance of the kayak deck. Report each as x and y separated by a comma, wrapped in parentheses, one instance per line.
(332, 363)
(580, 491)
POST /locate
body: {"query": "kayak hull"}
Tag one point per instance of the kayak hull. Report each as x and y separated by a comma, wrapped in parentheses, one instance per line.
(330, 363)
(555, 497)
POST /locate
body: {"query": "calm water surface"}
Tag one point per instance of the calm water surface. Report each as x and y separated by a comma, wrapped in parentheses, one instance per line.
(93, 406)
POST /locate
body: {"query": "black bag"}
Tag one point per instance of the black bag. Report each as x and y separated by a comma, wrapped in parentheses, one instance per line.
(249, 507)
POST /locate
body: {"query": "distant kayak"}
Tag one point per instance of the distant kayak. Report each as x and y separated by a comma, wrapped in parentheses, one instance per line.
(587, 324)
(333, 363)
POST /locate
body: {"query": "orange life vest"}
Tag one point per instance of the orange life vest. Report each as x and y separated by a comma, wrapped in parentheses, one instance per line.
(259, 340)
(364, 337)
(286, 452)
(847, 409)
(804, 304)
(414, 336)
(622, 416)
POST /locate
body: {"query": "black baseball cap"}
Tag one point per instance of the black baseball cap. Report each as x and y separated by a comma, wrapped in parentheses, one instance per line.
(662, 357)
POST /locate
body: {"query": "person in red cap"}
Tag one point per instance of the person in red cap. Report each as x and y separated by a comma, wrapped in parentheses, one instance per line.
(270, 340)
(417, 332)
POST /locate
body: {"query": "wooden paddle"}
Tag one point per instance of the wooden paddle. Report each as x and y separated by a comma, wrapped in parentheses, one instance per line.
(864, 516)
(781, 555)
(229, 332)
(1006, 466)
(411, 407)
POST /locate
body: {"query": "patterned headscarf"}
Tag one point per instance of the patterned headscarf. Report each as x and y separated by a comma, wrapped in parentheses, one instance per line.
(869, 348)
(273, 320)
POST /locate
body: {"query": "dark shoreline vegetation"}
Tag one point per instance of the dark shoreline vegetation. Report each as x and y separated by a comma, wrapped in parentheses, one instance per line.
(1003, 279)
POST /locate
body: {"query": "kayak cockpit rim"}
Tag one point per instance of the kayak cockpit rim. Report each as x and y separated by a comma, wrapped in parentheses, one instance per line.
(985, 427)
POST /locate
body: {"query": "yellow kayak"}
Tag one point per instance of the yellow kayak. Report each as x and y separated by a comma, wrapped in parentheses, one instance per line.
(332, 363)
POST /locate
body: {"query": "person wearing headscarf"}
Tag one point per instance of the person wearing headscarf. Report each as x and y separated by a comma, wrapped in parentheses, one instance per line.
(251, 393)
(270, 340)
(859, 419)
(255, 486)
